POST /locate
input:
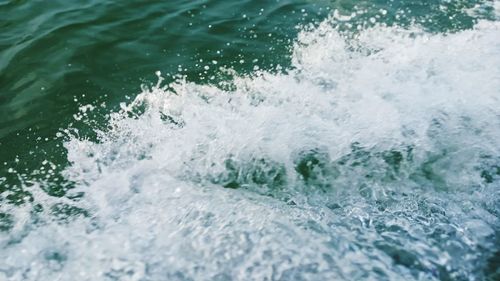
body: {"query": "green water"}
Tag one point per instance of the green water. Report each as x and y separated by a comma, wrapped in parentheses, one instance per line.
(56, 56)
(412, 205)
(55, 52)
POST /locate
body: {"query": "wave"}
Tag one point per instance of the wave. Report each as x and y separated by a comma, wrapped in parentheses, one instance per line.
(375, 156)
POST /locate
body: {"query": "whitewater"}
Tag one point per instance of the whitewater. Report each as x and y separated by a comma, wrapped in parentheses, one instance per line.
(375, 156)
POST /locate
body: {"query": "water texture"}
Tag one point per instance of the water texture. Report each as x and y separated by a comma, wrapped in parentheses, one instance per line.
(285, 140)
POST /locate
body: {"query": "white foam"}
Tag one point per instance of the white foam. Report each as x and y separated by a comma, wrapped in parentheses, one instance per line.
(156, 214)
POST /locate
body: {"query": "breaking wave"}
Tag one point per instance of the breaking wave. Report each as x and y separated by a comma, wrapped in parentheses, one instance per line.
(375, 156)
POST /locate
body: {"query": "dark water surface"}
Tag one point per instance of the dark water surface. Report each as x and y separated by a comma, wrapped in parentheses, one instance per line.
(53, 52)
(286, 140)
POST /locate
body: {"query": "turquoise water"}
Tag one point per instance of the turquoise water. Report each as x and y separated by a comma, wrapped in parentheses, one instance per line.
(249, 140)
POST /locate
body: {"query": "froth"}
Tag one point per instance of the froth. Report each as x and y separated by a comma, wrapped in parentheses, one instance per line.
(370, 158)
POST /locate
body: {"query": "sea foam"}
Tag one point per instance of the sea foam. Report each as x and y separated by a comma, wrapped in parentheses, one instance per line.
(375, 156)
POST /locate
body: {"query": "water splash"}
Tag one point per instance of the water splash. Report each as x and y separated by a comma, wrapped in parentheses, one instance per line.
(375, 156)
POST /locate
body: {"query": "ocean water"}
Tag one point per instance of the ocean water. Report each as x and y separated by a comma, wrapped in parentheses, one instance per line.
(250, 140)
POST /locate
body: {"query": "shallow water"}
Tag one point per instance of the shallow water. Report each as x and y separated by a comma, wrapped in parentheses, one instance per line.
(283, 141)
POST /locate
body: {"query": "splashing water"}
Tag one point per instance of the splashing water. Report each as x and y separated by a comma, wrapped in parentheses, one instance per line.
(375, 156)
